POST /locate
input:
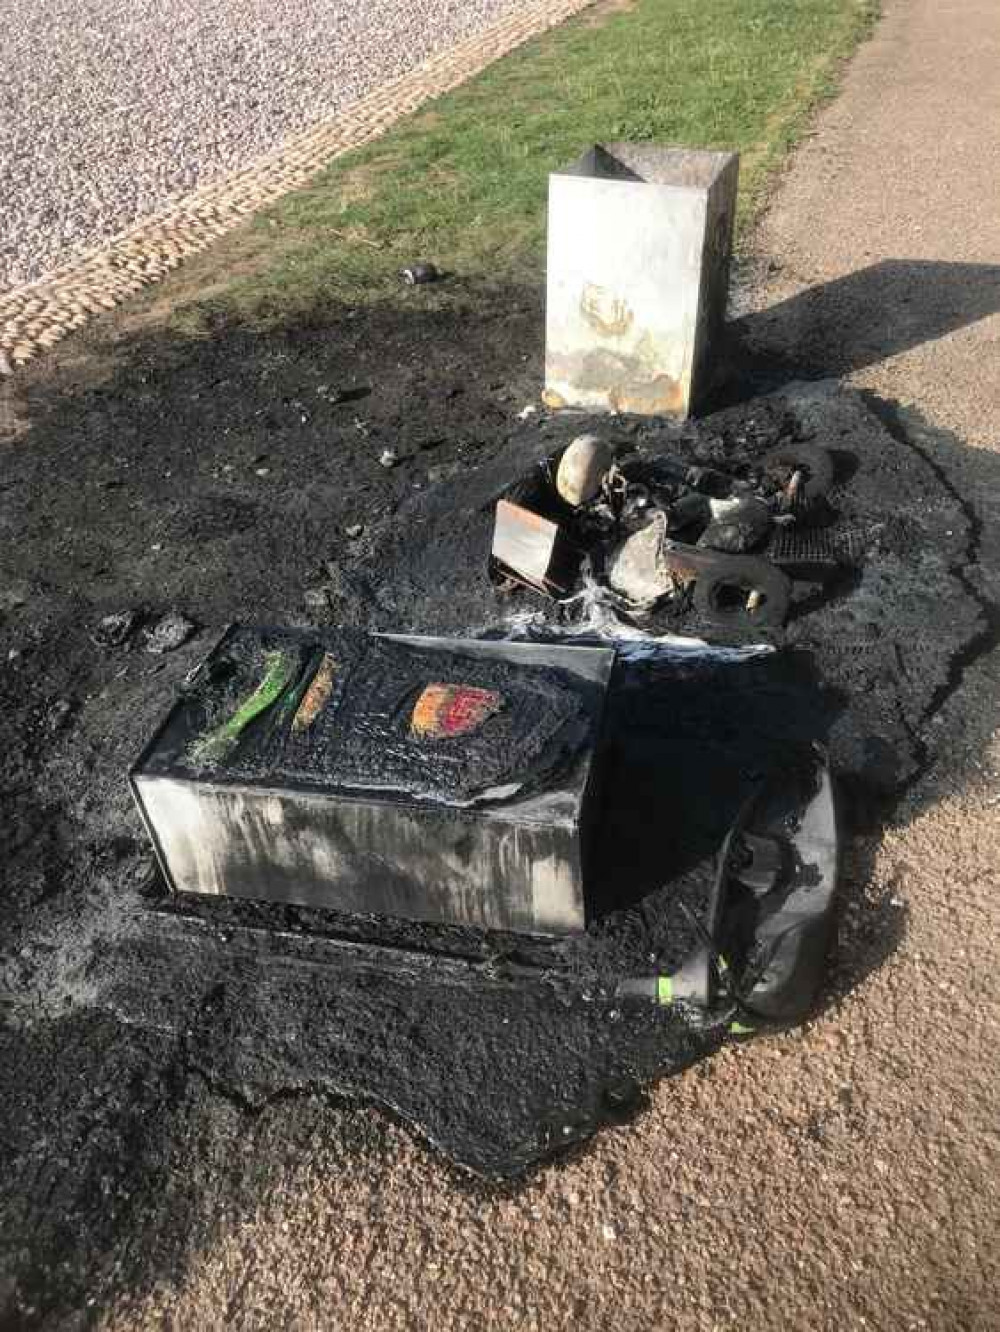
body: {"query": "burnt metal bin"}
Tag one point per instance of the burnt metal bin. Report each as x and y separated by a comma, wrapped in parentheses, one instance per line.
(517, 864)
(639, 245)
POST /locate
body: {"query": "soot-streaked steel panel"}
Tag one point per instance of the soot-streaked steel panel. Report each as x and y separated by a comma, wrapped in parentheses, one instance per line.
(512, 864)
(639, 245)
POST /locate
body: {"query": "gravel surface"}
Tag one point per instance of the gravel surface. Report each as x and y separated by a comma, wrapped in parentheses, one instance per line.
(108, 108)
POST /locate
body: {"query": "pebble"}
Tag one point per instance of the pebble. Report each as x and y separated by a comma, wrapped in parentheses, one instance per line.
(116, 629)
(389, 458)
(170, 631)
(14, 595)
(354, 530)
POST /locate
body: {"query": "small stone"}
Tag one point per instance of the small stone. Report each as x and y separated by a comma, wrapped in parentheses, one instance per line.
(582, 468)
(354, 530)
(14, 595)
(263, 471)
(608, 1233)
(170, 631)
(115, 630)
(388, 458)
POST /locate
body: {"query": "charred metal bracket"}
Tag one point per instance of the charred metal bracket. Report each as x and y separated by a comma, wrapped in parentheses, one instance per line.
(815, 554)
(532, 541)
(532, 550)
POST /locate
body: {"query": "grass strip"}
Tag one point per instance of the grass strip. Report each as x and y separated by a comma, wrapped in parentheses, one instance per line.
(463, 182)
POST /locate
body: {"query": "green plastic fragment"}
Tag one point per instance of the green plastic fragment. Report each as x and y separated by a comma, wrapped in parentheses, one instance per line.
(741, 1029)
(279, 668)
(664, 990)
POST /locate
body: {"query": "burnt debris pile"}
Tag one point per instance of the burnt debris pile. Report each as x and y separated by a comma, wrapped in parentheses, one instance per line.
(703, 754)
(867, 555)
(667, 540)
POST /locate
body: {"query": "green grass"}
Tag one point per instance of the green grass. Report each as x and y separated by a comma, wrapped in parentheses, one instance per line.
(464, 181)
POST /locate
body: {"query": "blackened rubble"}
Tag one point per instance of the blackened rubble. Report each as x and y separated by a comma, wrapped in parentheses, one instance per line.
(661, 539)
(880, 633)
(496, 1073)
(692, 740)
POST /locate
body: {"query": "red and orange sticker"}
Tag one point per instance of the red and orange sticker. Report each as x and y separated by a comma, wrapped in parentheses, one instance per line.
(446, 710)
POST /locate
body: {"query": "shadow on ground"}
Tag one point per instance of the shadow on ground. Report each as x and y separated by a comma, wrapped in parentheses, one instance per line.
(834, 328)
(220, 476)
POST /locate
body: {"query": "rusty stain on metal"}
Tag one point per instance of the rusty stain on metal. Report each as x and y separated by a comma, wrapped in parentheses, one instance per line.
(316, 696)
(531, 549)
(662, 396)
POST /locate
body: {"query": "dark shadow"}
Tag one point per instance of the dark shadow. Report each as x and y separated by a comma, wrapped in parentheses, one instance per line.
(834, 328)
(352, 394)
(687, 746)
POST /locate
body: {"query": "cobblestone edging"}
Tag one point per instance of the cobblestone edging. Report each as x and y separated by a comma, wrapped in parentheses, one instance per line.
(36, 316)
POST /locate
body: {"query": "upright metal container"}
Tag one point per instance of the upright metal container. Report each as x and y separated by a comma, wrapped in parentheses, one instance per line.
(640, 239)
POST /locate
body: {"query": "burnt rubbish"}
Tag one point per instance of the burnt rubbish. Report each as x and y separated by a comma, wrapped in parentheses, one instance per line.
(657, 535)
(438, 1019)
(454, 781)
(763, 941)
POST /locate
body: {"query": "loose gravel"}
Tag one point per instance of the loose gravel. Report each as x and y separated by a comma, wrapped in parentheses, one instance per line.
(109, 109)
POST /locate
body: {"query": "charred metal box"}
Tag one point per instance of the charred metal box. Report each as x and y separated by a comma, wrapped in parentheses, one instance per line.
(433, 779)
(639, 246)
